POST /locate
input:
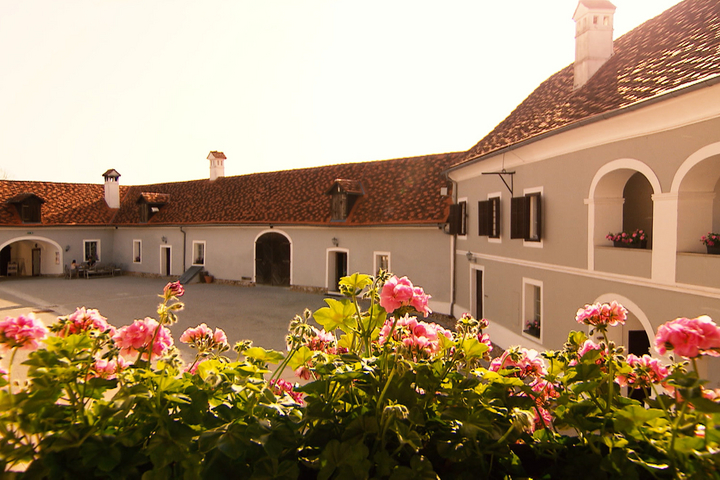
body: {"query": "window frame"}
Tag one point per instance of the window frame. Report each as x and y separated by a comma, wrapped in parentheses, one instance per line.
(526, 217)
(532, 306)
(489, 217)
(137, 253)
(196, 243)
(376, 262)
(98, 250)
(457, 219)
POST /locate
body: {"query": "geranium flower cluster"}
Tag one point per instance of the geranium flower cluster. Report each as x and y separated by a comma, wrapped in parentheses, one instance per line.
(602, 315)
(280, 387)
(23, 332)
(204, 339)
(589, 346)
(647, 371)
(137, 338)
(400, 292)
(420, 339)
(629, 238)
(108, 369)
(689, 337)
(711, 239)
(83, 320)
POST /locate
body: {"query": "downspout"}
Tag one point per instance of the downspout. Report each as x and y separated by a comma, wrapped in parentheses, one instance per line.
(184, 246)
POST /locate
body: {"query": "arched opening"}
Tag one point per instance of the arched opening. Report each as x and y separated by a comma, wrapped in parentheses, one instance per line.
(272, 259)
(638, 206)
(30, 256)
(697, 184)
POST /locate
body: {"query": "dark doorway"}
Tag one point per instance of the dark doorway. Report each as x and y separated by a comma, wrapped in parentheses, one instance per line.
(35, 262)
(478, 294)
(341, 269)
(5, 256)
(165, 261)
(272, 260)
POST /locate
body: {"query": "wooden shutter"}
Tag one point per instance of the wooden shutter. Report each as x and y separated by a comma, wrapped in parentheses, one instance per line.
(494, 217)
(454, 219)
(485, 218)
(519, 209)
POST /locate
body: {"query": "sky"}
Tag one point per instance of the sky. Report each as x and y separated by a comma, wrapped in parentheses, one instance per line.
(150, 87)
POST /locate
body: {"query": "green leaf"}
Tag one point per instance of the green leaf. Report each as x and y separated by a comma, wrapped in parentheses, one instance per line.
(705, 405)
(335, 315)
(265, 356)
(300, 357)
(472, 347)
(355, 283)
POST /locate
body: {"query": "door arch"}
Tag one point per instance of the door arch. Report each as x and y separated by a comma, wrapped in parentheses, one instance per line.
(272, 259)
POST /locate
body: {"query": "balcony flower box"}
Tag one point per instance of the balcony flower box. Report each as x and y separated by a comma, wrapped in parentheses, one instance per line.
(636, 239)
(712, 243)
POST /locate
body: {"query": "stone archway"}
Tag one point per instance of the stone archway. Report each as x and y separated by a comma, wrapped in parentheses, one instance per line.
(272, 259)
(32, 255)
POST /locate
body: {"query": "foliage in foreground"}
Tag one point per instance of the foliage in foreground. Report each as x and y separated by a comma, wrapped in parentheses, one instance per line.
(385, 396)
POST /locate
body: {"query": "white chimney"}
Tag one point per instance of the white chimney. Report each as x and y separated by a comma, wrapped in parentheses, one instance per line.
(112, 188)
(593, 38)
(217, 165)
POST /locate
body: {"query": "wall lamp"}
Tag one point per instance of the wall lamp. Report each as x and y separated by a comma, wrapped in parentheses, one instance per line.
(470, 256)
(67, 248)
(335, 241)
(164, 239)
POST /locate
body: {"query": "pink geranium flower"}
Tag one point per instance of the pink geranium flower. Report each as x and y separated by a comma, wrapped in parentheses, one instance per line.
(83, 320)
(23, 332)
(173, 289)
(646, 371)
(420, 339)
(689, 337)
(135, 338)
(527, 362)
(281, 387)
(602, 315)
(108, 369)
(203, 338)
(400, 292)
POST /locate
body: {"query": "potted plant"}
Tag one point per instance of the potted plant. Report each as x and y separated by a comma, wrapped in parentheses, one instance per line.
(636, 239)
(533, 328)
(712, 242)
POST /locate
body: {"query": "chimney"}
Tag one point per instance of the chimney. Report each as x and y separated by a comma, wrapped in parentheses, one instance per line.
(593, 38)
(217, 165)
(112, 188)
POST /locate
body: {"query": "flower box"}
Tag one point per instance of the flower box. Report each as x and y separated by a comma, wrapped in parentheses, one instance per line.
(535, 332)
(713, 250)
(640, 244)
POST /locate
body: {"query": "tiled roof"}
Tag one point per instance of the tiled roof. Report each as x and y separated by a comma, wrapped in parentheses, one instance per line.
(154, 198)
(65, 203)
(395, 192)
(681, 46)
(21, 197)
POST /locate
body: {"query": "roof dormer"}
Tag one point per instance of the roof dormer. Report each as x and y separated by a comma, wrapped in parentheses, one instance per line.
(150, 203)
(343, 194)
(28, 206)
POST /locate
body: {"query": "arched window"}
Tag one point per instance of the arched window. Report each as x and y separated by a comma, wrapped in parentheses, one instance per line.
(638, 206)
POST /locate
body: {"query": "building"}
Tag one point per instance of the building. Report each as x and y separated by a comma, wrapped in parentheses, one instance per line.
(303, 228)
(626, 138)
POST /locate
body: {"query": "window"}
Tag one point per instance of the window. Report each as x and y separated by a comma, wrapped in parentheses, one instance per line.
(28, 206)
(489, 217)
(343, 195)
(457, 220)
(137, 251)
(338, 206)
(92, 251)
(382, 261)
(198, 253)
(526, 217)
(532, 307)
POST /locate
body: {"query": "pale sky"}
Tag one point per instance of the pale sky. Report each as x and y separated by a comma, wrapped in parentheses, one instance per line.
(150, 87)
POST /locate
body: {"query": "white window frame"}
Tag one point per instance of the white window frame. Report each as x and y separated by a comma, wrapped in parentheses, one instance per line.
(328, 255)
(528, 306)
(497, 195)
(536, 243)
(376, 261)
(204, 253)
(98, 249)
(137, 258)
(465, 220)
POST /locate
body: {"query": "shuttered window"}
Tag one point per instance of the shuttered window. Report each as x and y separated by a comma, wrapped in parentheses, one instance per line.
(526, 217)
(489, 218)
(457, 219)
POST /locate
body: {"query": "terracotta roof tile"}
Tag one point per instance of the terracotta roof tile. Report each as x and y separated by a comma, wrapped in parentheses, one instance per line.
(65, 203)
(395, 192)
(678, 47)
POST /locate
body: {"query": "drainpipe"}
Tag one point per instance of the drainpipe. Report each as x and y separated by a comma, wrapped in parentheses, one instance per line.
(453, 260)
(184, 246)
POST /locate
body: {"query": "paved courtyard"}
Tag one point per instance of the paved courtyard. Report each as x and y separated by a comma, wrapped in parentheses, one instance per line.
(260, 313)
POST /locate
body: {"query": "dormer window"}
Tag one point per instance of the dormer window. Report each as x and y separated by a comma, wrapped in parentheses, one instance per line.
(150, 203)
(28, 206)
(343, 195)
